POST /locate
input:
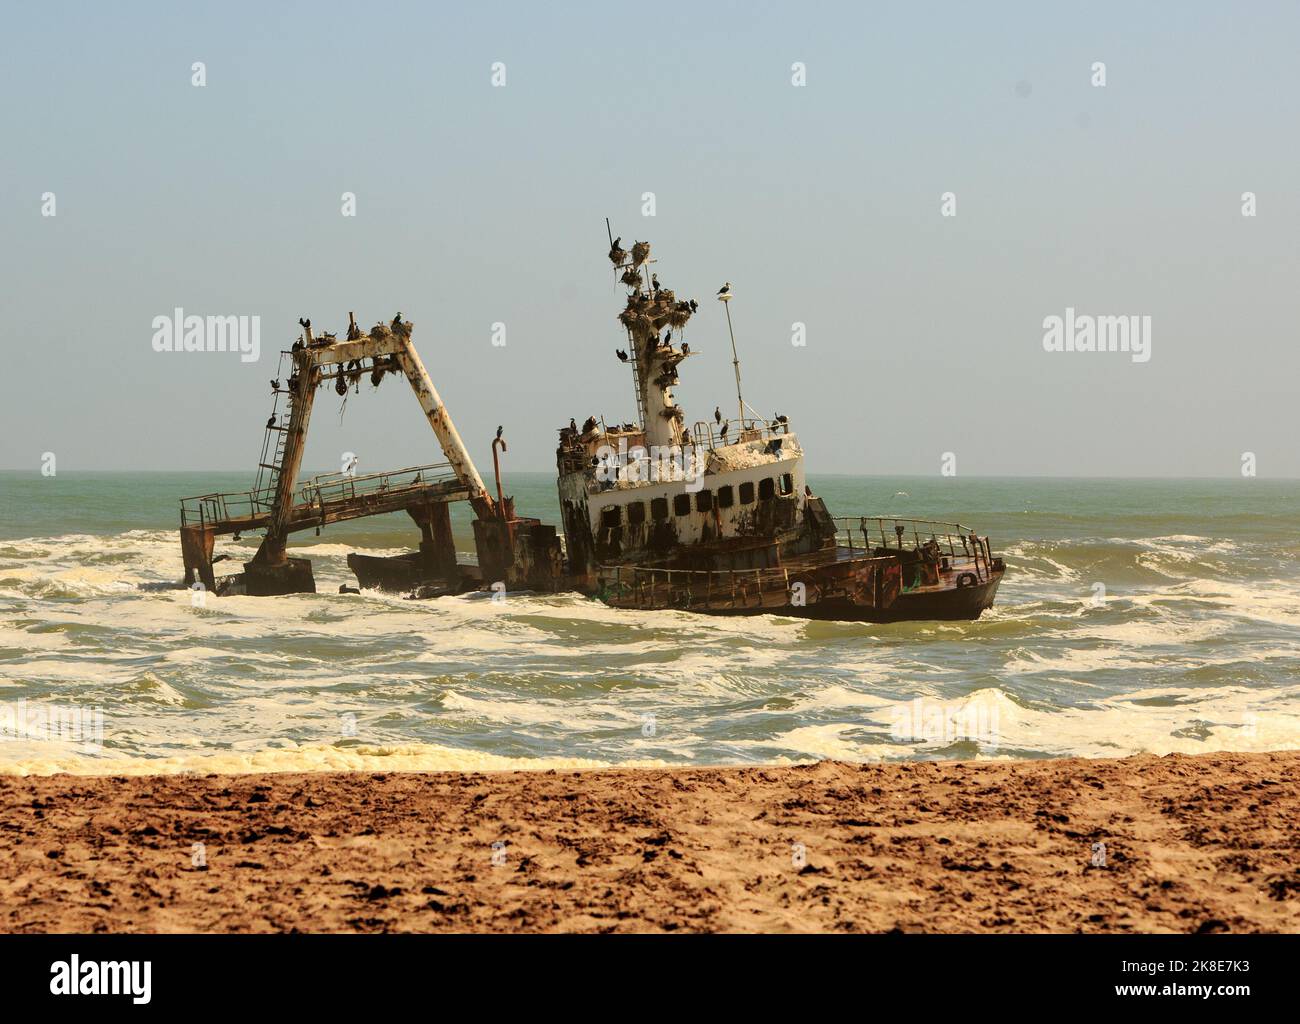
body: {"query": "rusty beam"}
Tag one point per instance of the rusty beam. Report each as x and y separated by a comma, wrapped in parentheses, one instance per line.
(443, 427)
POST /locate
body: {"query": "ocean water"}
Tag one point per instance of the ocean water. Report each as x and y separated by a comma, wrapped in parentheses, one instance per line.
(106, 665)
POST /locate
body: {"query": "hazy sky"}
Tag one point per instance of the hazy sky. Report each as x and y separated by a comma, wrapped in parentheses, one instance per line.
(821, 204)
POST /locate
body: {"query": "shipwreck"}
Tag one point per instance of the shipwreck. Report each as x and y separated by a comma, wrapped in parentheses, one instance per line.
(714, 517)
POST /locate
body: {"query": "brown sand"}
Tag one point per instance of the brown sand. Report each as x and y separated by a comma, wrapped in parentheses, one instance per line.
(1204, 843)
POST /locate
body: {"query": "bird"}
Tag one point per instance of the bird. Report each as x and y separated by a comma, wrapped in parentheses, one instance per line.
(304, 324)
(724, 431)
(668, 337)
(397, 320)
(271, 421)
(275, 385)
(686, 348)
(725, 289)
(618, 240)
(654, 282)
(622, 356)
(499, 429)
(717, 414)
(694, 305)
(573, 424)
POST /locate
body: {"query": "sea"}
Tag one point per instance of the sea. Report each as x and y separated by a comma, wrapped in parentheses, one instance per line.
(1136, 616)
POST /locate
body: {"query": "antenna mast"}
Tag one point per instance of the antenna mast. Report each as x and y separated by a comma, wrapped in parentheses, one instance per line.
(735, 359)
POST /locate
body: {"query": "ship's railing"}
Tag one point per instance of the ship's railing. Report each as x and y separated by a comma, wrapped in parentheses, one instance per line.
(708, 433)
(326, 488)
(638, 586)
(962, 545)
(649, 587)
(208, 509)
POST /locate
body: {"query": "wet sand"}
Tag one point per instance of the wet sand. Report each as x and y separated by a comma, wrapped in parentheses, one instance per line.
(1192, 844)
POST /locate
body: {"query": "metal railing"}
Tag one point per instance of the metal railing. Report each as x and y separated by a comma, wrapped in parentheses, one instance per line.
(648, 587)
(892, 532)
(205, 509)
(640, 586)
(321, 490)
(708, 433)
(328, 488)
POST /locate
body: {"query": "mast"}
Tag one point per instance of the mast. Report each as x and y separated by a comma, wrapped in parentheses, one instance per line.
(649, 313)
(735, 359)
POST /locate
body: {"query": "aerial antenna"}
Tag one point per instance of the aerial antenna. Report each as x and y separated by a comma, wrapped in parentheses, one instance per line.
(725, 299)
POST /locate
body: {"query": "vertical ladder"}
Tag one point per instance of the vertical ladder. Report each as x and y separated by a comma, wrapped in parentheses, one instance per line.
(636, 378)
(272, 458)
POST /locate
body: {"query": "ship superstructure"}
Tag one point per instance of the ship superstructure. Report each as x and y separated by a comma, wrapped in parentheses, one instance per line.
(718, 516)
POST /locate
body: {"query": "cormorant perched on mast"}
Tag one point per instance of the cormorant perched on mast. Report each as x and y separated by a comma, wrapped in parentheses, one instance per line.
(725, 289)
(717, 414)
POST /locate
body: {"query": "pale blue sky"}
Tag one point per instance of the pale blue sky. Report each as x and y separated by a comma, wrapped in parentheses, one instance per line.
(820, 204)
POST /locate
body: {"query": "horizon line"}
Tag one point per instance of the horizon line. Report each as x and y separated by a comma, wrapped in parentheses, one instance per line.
(307, 474)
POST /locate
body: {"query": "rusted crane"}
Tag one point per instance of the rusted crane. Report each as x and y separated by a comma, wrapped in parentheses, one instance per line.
(281, 507)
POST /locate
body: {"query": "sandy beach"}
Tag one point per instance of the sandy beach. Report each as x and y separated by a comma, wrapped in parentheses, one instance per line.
(1193, 844)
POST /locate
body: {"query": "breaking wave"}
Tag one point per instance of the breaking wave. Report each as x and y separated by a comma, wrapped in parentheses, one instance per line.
(1100, 644)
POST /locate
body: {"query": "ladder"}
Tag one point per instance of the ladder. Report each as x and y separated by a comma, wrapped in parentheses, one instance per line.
(273, 442)
(635, 359)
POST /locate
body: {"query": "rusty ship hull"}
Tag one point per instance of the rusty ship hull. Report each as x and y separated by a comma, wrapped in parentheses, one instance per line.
(941, 605)
(948, 574)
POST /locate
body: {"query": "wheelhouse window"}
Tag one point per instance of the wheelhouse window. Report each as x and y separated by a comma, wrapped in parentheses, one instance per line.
(703, 501)
(681, 504)
(786, 483)
(659, 509)
(636, 513)
(766, 489)
(726, 497)
(610, 517)
(747, 492)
